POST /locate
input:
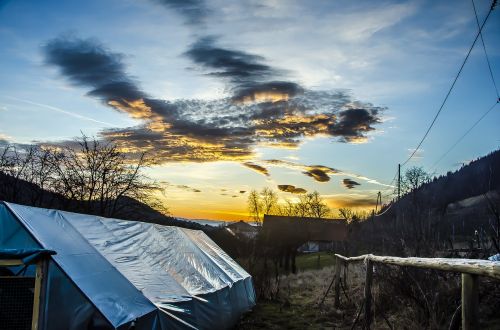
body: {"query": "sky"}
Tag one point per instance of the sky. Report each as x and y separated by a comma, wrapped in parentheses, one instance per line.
(230, 96)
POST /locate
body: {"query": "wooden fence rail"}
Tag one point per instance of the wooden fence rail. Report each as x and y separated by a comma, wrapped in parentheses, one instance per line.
(469, 268)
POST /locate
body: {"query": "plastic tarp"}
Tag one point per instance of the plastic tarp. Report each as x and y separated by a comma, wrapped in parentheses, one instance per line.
(26, 255)
(158, 276)
(77, 311)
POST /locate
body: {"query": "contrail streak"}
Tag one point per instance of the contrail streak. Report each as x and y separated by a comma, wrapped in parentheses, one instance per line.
(72, 114)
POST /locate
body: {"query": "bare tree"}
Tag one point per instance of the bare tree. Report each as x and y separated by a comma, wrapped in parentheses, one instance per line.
(88, 175)
(262, 203)
(317, 206)
(99, 175)
(254, 206)
(351, 215)
(308, 205)
(269, 200)
(413, 178)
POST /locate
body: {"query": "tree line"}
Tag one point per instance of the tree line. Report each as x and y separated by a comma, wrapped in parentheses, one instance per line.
(86, 175)
(266, 202)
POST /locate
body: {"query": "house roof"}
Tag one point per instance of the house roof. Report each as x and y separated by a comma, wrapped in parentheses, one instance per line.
(242, 226)
(306, 228)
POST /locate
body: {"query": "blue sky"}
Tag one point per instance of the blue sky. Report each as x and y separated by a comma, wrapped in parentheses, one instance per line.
(394, 60)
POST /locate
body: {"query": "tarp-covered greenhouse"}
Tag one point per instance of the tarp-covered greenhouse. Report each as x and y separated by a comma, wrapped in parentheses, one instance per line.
(110, 273)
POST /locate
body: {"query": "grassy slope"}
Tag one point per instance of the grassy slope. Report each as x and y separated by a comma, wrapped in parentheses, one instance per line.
(300, 294)
(298, 307)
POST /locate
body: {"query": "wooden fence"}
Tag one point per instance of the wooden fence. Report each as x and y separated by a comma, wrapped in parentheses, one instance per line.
(469, 268)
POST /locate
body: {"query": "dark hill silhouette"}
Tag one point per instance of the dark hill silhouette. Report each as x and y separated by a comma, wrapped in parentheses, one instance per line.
(455, 210)
(476, 178)
(22, 192)
(26, 193)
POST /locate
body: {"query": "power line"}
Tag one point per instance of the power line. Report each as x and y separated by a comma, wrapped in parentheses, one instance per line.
(465, 134)
(386, 210)
(484, 47)
(450, 90)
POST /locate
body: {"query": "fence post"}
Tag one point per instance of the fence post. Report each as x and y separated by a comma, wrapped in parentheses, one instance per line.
(338, 266)
(368, 293)
(470, 315)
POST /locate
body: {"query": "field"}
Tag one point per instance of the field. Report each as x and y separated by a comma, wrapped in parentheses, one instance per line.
(298, 306)
(310, 261)
(300, 296)
(399, 299)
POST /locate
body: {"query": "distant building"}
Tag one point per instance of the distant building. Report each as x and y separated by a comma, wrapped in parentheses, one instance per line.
(308, 234)
(242, 228)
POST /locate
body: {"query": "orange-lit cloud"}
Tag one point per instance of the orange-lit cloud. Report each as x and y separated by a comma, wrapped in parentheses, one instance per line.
(257, 168)
(349, 183)
(291, 189)
(261, 110)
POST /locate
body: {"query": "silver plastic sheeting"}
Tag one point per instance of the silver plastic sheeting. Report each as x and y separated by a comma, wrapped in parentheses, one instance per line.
(158, 276)
(117, 299)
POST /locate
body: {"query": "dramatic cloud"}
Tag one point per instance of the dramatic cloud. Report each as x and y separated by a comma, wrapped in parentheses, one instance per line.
(261, 110)
(237, 66)
(291, 189)
(257, 168)
(354, 123)
(321, 173)
(318, 175)
(350, 184)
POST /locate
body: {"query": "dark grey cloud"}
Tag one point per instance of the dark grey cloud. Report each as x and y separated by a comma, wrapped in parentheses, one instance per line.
(317, 174)
(354, 123)
(86, 62)
(237, 66)
(350, 184)
(261, 110)
(242, 191)
(193, 11)
(257, 168)
(291, 189)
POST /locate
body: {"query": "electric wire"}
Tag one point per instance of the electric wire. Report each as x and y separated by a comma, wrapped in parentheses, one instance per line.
(385, 211)
(484, 48)
(450, 89)
(464, 135)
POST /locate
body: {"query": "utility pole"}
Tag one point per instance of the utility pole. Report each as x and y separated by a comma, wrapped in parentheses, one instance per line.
(399, 181)
(399, 195)
(379, 201)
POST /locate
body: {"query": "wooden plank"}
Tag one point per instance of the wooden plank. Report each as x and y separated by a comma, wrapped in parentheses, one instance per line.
(35, 325)
(368, 294)
(11, 262)
(470, 302)
(469, 266)
(338, 267)
(351, 259)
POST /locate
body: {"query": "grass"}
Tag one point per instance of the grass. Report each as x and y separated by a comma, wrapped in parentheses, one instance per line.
(319, 260)
(298, 304)
(305, 261)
